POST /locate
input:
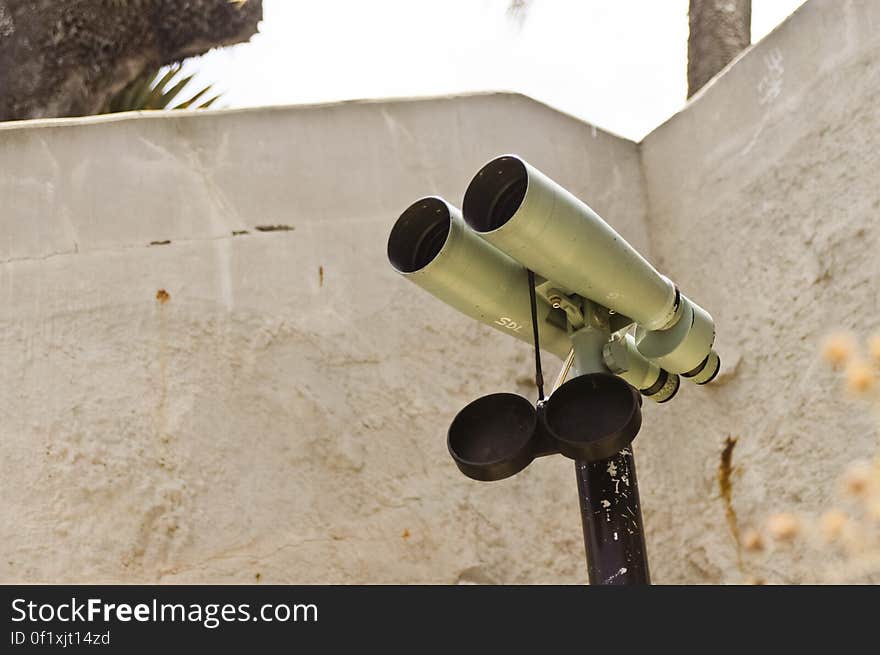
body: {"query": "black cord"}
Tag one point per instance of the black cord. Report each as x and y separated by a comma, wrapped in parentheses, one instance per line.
(539, 376)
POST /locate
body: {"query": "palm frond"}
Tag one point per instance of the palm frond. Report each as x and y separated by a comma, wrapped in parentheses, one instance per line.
(159, 90)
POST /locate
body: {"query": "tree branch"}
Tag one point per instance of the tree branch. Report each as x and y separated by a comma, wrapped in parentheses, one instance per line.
(68, 57)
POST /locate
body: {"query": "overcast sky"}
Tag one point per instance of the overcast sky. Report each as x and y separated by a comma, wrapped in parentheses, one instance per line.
(620, 64)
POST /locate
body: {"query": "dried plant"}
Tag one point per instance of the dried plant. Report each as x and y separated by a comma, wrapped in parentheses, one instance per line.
(851, 528)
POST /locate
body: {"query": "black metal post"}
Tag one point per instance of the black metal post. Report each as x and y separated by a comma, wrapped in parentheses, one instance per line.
(612, 518)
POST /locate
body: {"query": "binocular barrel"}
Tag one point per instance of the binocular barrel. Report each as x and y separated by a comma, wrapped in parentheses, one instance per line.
(431, 246)
(530, 217)
(535, 221)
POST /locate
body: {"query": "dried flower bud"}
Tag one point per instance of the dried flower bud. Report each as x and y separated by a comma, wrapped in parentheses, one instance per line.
(838, 348)
(858, 478)
(860, 377)
(832, 524)
(783, 526)
(753, 541)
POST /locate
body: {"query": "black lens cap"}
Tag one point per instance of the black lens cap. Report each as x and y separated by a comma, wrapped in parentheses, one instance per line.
(593, 416)
(490, 439)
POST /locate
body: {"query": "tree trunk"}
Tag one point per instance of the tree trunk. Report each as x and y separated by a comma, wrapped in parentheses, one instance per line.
(68, 57)
(719, 31)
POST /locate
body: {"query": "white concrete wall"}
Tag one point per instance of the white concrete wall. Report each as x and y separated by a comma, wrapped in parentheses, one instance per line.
(764, 196)
(267, 422)
(281, 416)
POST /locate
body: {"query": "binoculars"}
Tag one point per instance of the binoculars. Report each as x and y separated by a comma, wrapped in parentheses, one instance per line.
(630, 327)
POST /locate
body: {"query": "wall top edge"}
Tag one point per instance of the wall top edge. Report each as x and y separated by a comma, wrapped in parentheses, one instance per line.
(196, 114)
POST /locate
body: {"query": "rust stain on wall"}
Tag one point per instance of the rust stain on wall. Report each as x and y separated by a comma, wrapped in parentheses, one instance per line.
(725, 485)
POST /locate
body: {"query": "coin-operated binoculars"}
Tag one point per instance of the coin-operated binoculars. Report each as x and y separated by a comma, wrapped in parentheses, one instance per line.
(529, 259)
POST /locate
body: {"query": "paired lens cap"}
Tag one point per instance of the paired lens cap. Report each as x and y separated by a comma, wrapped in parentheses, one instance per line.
(590, 417)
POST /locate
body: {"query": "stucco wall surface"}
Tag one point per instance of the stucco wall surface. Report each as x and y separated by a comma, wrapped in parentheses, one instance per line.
(188, 398)
(764, 198)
